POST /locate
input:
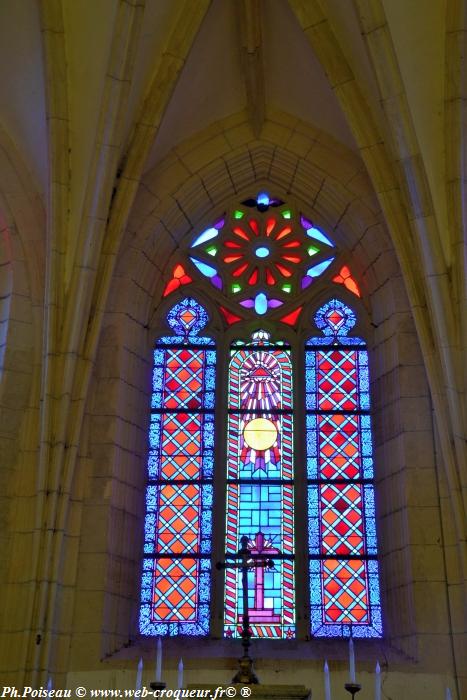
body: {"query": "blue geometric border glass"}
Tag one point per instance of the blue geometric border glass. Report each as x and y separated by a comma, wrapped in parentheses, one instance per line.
(342, 545)
(260, 487)
(176, 580)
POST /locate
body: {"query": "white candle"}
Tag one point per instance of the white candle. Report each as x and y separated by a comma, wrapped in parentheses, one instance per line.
(180, 674)
(327, 682)
(159, 661)
(351, 661)
(49, 683)
(139, 675)
(448, 694)
(377, 681)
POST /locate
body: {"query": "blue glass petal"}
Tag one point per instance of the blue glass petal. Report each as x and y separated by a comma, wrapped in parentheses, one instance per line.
(261, 303)
(205, 236)
(318, 269)
(319, 236)
(263, 198)
(204, 268)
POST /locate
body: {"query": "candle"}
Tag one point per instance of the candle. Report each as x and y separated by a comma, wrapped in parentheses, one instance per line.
(377, 681)
(159, 661)
(49, 684)
(180, 674)
(351, 661)
(448, 694)
(327, 682)
(139, 675)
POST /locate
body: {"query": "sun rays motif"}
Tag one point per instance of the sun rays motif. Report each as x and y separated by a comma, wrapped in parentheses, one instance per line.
(261, 392)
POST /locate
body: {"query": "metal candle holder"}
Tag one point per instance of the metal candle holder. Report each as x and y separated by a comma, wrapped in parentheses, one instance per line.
(157, 685)
(352, 688)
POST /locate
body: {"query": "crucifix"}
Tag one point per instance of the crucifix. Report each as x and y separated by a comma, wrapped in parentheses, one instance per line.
(248, 559)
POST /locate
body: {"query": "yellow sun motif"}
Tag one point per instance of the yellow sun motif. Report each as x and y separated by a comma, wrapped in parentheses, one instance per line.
(260, 433)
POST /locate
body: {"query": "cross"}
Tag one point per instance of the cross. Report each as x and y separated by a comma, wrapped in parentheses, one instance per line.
(259, 613)
(247, 560)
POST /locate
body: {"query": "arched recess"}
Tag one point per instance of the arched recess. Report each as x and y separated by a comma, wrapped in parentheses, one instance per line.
(22, 269)
(190, 188)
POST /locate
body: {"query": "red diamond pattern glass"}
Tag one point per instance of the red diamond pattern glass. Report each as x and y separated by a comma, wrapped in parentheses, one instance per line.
(340, 454)
(175, 589)
(345, 591)
(178, 523)
(341, 519)
(344, 586)
(337, 380)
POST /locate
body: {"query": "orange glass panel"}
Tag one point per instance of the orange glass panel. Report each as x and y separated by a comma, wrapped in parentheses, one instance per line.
(171, 286)
(239, 270)
(179, 277)
(291, 319)
(253, 277)
(229, 316)
(270, 279)
(240, 232)
(269, 226)
(254, 226)
(232, 258)
(345, 277)
(285, 272)
(283, 233)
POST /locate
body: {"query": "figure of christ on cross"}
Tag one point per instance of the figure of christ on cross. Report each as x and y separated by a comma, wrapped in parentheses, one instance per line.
(262, 547)
(257, 559)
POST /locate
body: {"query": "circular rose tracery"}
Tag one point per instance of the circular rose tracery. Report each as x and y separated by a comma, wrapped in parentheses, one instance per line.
(260, 255)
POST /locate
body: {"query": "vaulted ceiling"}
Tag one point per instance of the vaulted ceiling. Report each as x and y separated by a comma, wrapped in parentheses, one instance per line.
(212, 83)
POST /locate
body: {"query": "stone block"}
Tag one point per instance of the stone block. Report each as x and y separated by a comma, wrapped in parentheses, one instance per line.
(431, 609)
(88, 611)
(424, 525)
(209, 150)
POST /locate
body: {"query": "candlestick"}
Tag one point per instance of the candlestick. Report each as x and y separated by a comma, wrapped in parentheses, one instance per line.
(327, 682)
(159, 661)
(180, 674)
(158, 683)
(139, 675)
(377, 681)
(352, 688)
(351, 661)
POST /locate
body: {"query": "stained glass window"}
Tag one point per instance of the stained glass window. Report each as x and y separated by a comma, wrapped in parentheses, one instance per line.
(263, 259)
(344, 585)
(260, 486)
(177, 550)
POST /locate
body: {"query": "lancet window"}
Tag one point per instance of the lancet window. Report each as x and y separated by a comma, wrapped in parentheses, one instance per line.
(263, 259)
